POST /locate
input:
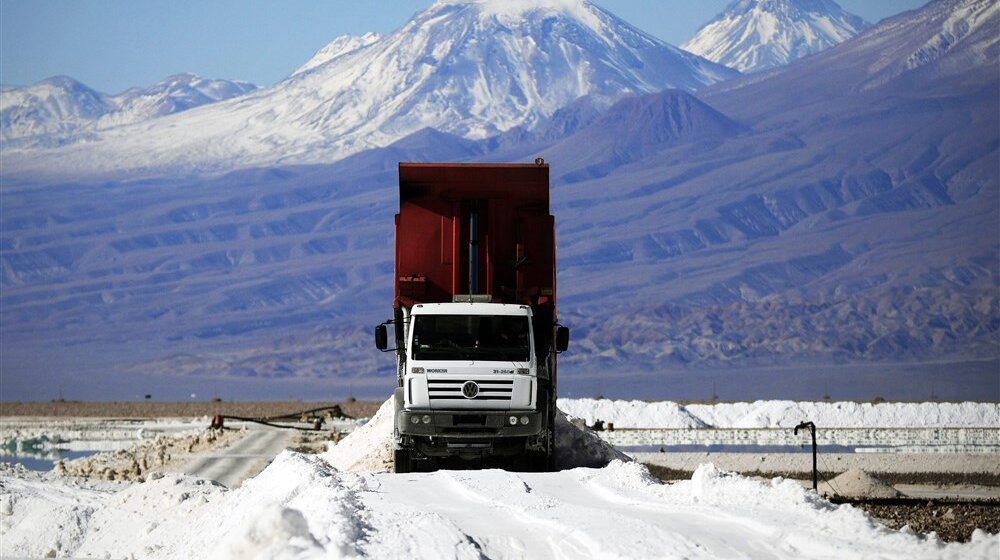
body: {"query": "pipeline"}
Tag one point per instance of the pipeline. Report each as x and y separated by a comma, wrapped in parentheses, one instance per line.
(218, 421)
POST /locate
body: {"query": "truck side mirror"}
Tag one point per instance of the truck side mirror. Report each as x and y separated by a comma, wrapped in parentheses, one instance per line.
(381, 338)
(562, 339)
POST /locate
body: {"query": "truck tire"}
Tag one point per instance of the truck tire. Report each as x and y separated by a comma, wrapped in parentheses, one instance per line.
(538, 460)
(532, 461)
(548, 463)
(401, 461)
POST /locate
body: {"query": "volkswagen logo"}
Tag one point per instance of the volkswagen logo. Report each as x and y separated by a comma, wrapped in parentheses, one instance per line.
(470, 389)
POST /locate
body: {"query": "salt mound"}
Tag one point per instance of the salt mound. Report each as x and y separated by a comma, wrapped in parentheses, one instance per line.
(632, 414)
(784, 414)
(369, 448)
(857, 483)
(580, 447)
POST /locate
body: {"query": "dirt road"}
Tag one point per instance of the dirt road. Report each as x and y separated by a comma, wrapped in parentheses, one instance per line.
(244, 458)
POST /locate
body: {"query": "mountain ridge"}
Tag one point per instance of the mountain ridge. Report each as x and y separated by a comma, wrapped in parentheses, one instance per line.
(466, 68)
(755, 35)
(61, 106)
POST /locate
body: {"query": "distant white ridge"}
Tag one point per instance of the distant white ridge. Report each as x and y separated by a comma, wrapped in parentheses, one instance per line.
(63, 107)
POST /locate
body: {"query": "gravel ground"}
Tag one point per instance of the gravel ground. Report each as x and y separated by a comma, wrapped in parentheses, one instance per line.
(148, 409)
(954, 522)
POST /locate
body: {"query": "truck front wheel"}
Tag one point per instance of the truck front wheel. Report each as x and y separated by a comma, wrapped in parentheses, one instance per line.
(401, 461)
(534, 461)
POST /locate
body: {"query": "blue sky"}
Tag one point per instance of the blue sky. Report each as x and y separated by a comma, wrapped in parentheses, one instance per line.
(112, 45)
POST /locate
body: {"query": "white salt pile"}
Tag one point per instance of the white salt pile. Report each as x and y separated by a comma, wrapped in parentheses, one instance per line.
(369, 448)
(856, 483)
(632, 414)
(784, 414)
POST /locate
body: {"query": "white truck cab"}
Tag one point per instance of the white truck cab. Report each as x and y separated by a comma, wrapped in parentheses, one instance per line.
(469, 356)
(470, 386)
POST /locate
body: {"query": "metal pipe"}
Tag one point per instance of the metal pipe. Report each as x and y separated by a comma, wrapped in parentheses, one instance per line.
(812, 428)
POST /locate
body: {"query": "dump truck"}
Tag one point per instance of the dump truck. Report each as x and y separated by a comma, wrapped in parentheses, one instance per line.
(474, 317)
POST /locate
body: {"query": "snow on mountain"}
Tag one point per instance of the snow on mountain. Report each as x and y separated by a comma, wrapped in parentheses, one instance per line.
(62, 106)
(57, 105)
(473, 69)
(176, 93)
(345, 44)
(971, 24)
(947, 44)
(752, 35)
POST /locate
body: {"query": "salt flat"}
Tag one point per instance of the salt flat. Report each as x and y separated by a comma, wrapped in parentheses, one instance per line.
(343, 503)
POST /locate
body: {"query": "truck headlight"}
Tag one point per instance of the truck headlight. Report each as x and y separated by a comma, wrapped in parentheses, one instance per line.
(512, 420)
(426, 419)
(524, 420)
(414, 420)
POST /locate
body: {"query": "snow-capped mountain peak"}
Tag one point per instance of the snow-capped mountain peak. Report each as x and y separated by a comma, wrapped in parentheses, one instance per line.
(513, 10)
(520, 7)
(53, 105)
(178, 93)
(752, 35)
(345, 44)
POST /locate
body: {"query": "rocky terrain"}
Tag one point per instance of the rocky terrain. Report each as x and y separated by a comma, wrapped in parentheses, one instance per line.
(951, 522)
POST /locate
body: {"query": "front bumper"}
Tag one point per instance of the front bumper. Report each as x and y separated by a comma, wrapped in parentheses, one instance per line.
(468, 423)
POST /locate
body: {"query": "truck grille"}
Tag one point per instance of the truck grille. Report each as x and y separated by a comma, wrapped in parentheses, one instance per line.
(451, 389)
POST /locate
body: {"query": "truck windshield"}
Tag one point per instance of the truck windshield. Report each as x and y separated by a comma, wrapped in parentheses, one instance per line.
(471, 337)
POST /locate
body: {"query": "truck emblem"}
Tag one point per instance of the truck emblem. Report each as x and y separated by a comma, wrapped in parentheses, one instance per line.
(470, 389)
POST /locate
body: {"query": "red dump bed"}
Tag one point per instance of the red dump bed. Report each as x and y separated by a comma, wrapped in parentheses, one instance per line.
(513, 259)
